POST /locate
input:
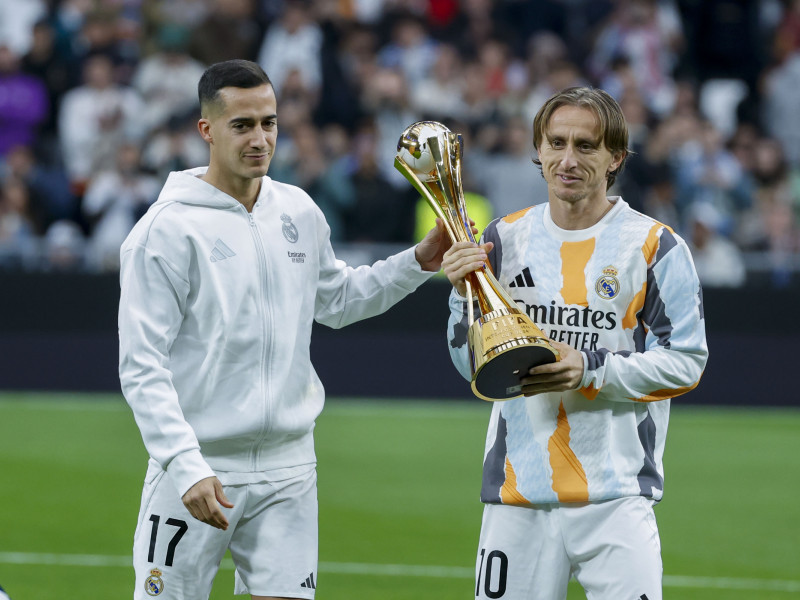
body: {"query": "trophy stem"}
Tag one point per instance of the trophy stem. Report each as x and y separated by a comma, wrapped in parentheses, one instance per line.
(491, 295)
(504, 343)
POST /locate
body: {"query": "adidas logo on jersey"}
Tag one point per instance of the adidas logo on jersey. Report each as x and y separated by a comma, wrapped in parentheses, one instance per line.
(309, 582)
(524, 279)
(221, 251)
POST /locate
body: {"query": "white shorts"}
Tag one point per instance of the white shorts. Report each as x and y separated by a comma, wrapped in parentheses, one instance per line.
(612, 548)
(272, 536)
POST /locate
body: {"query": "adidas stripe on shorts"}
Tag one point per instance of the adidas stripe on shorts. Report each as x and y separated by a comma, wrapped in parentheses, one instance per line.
(612, 548)
(272, 537)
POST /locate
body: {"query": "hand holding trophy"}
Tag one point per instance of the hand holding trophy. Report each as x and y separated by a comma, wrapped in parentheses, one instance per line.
(503, 341)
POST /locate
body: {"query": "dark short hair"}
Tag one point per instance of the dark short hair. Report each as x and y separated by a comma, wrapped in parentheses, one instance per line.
(612, 121)
(230, 73)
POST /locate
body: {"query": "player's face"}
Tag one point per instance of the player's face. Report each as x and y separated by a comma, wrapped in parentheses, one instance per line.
(575, 160)
(242, 131)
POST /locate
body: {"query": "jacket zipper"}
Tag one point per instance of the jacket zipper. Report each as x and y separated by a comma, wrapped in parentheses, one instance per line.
(266, 318)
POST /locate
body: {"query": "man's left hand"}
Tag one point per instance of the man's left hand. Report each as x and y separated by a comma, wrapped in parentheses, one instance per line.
(561, 376)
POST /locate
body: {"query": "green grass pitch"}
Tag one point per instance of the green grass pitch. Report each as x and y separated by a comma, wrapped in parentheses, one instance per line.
(399, 508)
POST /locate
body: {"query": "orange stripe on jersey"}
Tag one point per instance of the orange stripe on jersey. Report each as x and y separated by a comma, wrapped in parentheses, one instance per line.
(509, 493)
(574, 258)
(569, 478)
(651, 244)
(516, 216)
(589, 392)
(636, 305)
(667, 393)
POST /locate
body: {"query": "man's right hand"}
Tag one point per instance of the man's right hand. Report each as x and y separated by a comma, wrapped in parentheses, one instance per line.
(463, 258)
(203, 501)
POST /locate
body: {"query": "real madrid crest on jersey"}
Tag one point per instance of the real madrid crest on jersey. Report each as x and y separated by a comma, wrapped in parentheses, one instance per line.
(289, 230)
(154, 585)
(607, 285)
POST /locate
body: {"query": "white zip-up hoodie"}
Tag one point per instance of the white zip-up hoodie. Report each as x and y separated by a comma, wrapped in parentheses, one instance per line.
(215, 320)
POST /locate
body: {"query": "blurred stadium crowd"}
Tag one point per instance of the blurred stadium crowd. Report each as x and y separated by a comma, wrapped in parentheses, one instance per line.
(98, 103)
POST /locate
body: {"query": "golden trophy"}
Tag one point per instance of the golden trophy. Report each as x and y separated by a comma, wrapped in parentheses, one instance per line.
(503, 341)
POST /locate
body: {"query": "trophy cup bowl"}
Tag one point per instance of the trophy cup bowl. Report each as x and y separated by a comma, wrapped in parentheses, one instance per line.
(504, 343)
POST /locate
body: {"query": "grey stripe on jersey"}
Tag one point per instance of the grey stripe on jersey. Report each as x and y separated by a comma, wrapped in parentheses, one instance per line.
(496, 255)
(649, 479)
(494, 467)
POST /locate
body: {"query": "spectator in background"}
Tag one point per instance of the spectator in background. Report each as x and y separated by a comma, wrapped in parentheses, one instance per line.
(473, 24)
(648, 35)
(707, 173)
(659, 200)
(561, 74)
(382, 212)
(718, 261)
(668, 135)
(781, 105)
(494, 58)
(101, 33)
(770, 226)
(411, 50)
(64, 245)
(16, 23)
(439, 94)
(500, 162)
(293, 44)
(23, 103)
(725, 39)
(388, 99)
(787, 36)
(544, 51)
(479, 106)
(175, 146)
(183, 13)
(48, 188)
(115, 199)
(229, 31)
(68, 16)
(167, 78)
(18, 242)
(308, 165)
(59, 74)
(345, 46)
(94, 118)
(635, 181)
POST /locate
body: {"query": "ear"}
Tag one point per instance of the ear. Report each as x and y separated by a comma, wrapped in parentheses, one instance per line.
(204, 127)
(616, 160)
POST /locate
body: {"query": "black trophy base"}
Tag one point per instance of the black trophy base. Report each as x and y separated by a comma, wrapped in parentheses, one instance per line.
(499, 378)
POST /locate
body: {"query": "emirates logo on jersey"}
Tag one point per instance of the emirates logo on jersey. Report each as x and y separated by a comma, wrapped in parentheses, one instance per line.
(607, 285)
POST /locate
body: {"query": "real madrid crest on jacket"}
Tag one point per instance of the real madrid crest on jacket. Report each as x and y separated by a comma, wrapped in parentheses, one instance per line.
(289, 230)
(610, 291)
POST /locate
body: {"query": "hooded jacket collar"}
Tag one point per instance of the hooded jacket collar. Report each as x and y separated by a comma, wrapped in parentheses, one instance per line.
(186, 187)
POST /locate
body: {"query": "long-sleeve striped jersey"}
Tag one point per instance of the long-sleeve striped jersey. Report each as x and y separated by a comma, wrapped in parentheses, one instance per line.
(626, 294)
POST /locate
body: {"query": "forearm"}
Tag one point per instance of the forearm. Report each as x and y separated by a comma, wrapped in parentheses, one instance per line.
(649, 376)
(346, 295)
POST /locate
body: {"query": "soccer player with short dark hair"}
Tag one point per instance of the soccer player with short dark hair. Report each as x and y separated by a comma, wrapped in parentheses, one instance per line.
(221, 282)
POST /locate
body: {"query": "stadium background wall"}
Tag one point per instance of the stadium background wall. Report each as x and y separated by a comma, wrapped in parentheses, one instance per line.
(59, 332)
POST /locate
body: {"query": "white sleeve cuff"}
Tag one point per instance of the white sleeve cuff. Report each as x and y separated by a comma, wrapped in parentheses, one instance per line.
(188, 468)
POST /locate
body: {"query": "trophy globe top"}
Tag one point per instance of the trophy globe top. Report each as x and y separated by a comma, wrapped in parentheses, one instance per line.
(414, 150)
